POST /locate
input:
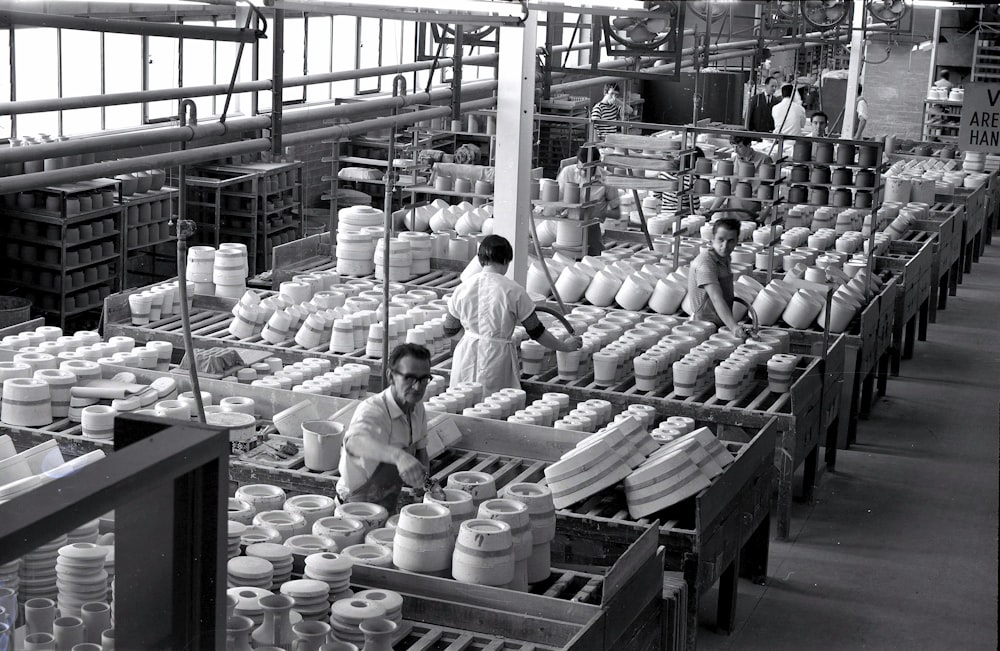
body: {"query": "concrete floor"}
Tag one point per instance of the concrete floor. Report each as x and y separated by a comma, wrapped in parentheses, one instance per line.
(899, 549)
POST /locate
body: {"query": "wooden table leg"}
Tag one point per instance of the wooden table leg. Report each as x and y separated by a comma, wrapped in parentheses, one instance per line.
(977, 246)
(943, 292)
(867, 387)
(786, 469)
(956, 276)
(896, 348)
(969, 246)
(753, 558)
(830, 458)
(909, 338)
(725, 615)
(809, 467)
(932, 302)
(882, 375)
(925, 313)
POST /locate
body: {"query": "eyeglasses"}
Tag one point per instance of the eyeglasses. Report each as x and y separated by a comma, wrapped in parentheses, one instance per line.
(412, 379)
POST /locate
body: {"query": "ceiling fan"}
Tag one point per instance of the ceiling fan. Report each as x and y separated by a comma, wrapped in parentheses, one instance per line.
(640, 34)
(707, 10)
(825, 14)
(887, 11)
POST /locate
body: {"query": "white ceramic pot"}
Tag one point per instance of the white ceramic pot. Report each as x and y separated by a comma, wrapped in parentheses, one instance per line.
(423, 541)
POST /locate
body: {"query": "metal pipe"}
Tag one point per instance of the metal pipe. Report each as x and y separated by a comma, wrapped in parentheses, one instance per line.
(340, 131)
(35, 180)
(115, 99)
(12, 19)
(160, 136)
(384, 104)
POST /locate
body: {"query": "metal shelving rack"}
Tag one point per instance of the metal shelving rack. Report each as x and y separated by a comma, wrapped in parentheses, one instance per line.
(986, 56)
(147, 230)
(66, 262)
(941, 118)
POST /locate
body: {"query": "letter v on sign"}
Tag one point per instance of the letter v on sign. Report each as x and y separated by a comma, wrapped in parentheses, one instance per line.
(994, 95)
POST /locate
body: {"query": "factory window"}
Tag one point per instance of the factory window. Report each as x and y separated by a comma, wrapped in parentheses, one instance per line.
(368, 37)
(5, 121)
(35, 77)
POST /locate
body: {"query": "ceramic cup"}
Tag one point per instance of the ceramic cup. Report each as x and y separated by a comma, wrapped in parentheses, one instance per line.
(39, 642)
(321, 442)
(39, 615)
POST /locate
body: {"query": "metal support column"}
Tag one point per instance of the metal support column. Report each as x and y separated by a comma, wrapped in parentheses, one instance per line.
(515, 116)
(277, 76)
(854, 71)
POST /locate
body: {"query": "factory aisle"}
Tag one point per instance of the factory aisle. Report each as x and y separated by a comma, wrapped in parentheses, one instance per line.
(899, 550)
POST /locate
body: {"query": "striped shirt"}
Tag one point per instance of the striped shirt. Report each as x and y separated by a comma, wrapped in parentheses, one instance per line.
(605, 111)
(709, 268)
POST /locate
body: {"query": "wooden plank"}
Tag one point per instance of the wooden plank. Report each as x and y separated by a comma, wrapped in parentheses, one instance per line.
(641, 162)
(566, 613)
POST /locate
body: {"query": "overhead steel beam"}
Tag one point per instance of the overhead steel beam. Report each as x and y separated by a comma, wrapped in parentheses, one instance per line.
(475, 12)
(15, 19)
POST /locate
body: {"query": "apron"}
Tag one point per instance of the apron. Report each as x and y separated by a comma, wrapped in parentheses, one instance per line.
(491, 361)
(383, 487)
(385, 484)
(490, 306)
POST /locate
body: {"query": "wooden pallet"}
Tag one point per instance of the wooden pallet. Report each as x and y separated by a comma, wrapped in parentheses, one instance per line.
(572, 610)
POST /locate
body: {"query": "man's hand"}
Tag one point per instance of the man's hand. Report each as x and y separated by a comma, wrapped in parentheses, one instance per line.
(569, 344)
(410, 469)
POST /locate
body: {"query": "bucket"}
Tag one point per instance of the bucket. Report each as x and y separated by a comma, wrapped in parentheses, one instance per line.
(14, 310)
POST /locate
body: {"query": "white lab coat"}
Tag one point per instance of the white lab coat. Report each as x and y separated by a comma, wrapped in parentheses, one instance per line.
(489, 306)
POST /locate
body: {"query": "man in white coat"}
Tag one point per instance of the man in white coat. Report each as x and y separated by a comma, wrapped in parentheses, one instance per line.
(488, 306)
(789, 115)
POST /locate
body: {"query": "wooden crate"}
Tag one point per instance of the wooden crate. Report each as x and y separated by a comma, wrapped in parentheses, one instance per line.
(615, 605)
(975, 202)
(910, 263)
(797, 414)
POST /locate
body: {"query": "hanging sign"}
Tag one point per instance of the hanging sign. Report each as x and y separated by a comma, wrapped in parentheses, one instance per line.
(979, 129)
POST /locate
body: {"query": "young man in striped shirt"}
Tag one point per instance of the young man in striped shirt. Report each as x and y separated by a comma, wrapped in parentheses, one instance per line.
(611, 107)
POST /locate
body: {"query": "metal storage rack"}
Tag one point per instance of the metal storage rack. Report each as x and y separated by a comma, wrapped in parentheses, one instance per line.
(147, 229)
(258, 204)
(941, 118)
(64, 259)
(986, 56)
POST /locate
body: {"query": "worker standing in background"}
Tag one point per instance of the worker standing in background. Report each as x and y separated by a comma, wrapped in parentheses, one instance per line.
(819, 123)
(789, 116)
(759, 116)
(861, 110)
(944, 80)
(611, 107)
(604, 202)
(488, 306)
(385, 445)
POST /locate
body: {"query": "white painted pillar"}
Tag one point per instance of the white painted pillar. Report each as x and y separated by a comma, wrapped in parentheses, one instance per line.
(854, 70)
(515, 117)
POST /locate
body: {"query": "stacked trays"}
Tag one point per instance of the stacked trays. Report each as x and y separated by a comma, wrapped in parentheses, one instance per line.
(80, 576)
(679, 469)
(334, 569)
(37, 574)
(250, 571)
(311, 597)
(346, 616)
(582, 472)
(280, 558)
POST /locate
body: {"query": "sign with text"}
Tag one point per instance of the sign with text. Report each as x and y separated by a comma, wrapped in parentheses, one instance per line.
(979, 129)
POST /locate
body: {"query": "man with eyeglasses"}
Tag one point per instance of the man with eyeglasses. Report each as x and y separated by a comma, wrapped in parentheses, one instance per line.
(385, 445)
